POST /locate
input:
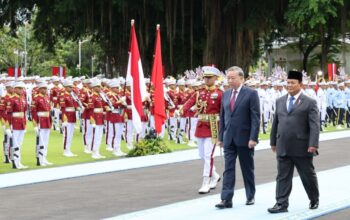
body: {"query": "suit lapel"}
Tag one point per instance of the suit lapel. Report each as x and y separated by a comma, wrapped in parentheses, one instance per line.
(239, 98)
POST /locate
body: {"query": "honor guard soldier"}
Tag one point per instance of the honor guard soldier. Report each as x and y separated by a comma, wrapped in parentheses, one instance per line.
(192, 116)
(85, 97)
(129, 125)
(4, 118)
(68, 103)
(171, 107)
(208, 104)
(54, 99)
(97, 119)
(115, 118)
(181, 98)
(16, 108)
(40, 110)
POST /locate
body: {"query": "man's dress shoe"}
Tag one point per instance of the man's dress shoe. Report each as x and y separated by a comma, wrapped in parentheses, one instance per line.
(250, 201)
(224, 204)
(277, 208)
(313, 205)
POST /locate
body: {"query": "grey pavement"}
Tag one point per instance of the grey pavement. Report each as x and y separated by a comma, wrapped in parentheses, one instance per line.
(111, 194)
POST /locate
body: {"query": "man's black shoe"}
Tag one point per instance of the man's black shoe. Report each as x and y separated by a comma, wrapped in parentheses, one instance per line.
(278, 208)
(224, 204)
(313, 205)
(250, 201)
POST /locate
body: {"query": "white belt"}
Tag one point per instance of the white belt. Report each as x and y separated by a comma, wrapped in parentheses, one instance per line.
(54, 98)
(98, 110)
(18, 114)
(116, 111)
(69, 109)
(43, 114)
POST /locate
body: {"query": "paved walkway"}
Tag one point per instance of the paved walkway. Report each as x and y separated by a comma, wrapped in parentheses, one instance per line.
(117, 193)
(335, 195)
(65, 172)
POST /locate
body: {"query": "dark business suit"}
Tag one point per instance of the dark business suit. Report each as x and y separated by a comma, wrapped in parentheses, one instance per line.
(237, 127)
(293, 133)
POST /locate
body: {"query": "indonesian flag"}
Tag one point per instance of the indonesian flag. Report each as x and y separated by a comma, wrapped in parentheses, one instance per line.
(137, 81)
(14, 72)
(332, 71)
(157, 81)
(59, 71)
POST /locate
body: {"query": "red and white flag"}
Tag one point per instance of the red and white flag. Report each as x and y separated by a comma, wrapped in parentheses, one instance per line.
(137, 81)
(14, 72)
(59, 71)
(332, 71)
(157, 81)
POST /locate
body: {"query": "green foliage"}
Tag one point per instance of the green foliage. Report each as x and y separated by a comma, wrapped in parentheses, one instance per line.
(149, 147)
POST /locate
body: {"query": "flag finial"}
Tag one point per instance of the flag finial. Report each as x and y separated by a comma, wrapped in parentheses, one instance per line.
(158, 26)
(132, 22)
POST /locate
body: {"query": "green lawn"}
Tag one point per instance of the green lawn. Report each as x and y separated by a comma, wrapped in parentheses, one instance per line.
(55, 152)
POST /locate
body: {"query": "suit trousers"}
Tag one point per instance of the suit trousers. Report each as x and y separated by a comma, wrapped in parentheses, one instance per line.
(246, 161)
(306, 170)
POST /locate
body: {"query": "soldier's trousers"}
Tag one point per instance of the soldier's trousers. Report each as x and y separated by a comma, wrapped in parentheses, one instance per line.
(68, 136)
(115, 131)
(192, 124)
(87, 133)
(17, 140)
(129, 132)
(206, 150)
(96, 138)
(44, 135)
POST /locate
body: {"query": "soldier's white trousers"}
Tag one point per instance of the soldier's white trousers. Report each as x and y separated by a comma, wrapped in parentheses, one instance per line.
(96, 138)
(192, 124)
(115, 131)
(172, 126)
(44, 135)
(206, 150)
(87, 133)
(17, 140)
(68, 136)
(129, 132)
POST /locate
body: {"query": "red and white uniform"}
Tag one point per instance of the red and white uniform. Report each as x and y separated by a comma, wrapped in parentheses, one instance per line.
(171, 114)
(85, 98)
(16, 108)
(129, 125)
(97, 121)
(54, 99)
(208, 103)
(68, 107)
(115, 119)
(4, 120)
(40, 110)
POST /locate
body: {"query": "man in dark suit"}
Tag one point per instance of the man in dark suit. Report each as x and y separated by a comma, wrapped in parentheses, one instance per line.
(295, 138)
(238, 134)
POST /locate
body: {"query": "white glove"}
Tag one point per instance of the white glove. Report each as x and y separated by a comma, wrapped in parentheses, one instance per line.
(4, 127)
(128, 107)
(193, 108)
(93, 125)
(177, 113)
(64, 124)
(36, 129)
(9, 133)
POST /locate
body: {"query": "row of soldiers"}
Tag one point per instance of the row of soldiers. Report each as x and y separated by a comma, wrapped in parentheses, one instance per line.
(104, 106)
(333, 100)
